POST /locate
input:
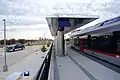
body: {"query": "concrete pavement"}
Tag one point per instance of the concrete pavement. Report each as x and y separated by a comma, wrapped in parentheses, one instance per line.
(1, 51)
(91, 68)
(13, 57)
(30, 63)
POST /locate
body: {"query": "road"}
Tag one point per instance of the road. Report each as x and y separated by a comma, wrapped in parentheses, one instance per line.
(1, 51)
(13, 57)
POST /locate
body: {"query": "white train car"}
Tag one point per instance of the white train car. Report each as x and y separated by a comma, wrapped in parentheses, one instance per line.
(101, 40)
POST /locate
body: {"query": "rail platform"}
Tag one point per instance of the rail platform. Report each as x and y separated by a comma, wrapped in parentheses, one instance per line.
(75, 66)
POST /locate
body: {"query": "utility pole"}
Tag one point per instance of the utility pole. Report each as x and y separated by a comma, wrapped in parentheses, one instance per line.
(5, 67)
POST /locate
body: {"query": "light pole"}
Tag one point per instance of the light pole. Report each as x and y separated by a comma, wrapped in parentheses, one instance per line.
(5, 67)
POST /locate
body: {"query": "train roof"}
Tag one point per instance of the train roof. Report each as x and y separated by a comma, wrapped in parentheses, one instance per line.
(102, 27)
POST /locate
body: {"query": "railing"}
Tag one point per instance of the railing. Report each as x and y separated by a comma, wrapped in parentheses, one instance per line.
(43, 72)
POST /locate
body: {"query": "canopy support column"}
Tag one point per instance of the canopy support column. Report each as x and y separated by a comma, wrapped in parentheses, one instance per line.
(60, 43)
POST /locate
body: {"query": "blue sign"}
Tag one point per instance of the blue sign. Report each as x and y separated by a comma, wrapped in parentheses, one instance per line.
(63, 22)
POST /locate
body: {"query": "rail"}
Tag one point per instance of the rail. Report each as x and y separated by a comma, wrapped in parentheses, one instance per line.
(43, 72)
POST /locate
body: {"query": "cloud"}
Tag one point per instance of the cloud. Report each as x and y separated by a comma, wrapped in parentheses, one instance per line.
(28, 12)
(27, 32)
(106, 9)
(23, 14)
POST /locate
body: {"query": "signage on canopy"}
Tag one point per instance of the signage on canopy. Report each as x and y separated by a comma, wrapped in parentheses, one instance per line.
(63, 22)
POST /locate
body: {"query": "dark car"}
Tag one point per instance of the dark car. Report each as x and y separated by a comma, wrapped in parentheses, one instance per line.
(14, 47)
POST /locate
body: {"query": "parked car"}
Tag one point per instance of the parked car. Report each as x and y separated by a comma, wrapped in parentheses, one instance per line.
(14, 47)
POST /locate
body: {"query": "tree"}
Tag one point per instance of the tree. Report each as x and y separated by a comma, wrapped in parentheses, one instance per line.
(48, 44)
(22, 41)
(40, 38)
(12, 41)
(1, 42)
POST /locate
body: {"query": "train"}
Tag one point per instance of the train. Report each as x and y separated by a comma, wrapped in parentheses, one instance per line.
(101, 40)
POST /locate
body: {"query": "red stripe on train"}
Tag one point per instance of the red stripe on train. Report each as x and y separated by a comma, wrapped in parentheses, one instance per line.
(102, 52)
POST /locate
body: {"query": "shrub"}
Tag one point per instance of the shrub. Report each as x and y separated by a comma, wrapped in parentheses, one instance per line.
(43, 49)
(48, 44)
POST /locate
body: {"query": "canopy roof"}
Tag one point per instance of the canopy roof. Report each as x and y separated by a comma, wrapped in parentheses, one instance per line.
(70, 22)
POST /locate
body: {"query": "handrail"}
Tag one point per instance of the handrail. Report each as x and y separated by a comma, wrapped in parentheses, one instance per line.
(43, 72)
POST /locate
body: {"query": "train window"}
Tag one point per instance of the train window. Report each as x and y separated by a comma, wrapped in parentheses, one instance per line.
(76, 41)
(117, 36)
(83, 43)
(100, 43)
(118, 47)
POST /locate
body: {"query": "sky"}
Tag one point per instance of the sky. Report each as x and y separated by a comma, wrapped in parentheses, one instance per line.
(26, 18)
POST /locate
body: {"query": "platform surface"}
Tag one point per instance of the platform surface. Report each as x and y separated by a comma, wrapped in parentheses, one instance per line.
(75, 66)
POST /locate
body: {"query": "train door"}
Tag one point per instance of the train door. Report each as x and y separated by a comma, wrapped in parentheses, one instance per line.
(82, 44)
(117, 41)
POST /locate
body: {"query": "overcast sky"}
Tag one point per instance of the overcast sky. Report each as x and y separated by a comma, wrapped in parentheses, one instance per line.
(26, 18)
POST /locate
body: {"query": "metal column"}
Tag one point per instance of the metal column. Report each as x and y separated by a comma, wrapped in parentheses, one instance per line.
(55, 44)
(5, 67)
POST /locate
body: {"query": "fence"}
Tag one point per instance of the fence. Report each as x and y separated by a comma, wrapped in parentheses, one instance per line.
(43, 72)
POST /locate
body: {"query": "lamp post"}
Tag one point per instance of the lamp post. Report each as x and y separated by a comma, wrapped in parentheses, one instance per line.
(5, 67)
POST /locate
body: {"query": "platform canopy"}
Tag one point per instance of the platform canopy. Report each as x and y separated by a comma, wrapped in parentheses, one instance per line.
(68, 21)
